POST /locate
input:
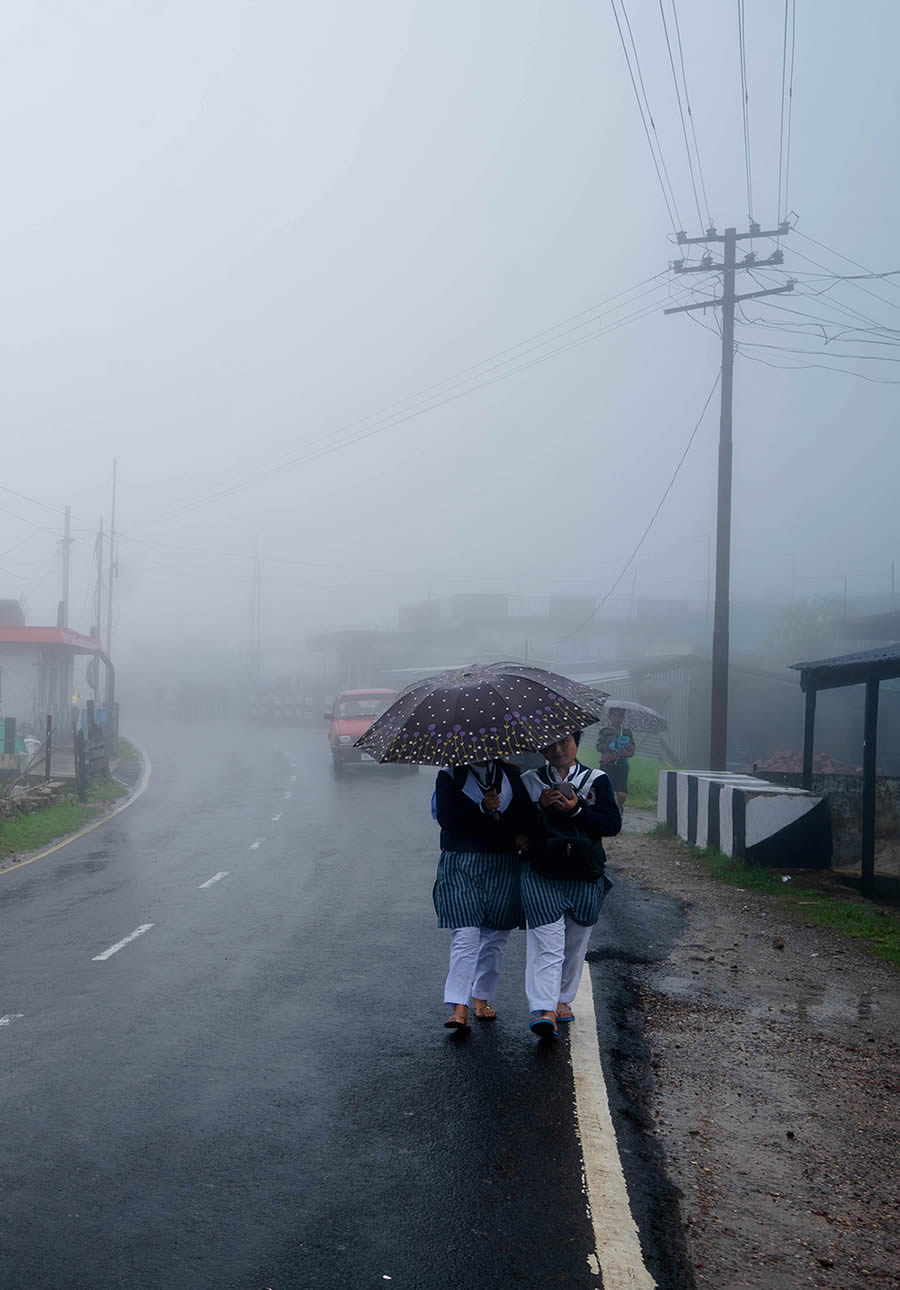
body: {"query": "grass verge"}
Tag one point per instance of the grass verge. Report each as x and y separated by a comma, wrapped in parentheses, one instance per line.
(643, 777)
(126, 750)
(40, 828)
(841, 910)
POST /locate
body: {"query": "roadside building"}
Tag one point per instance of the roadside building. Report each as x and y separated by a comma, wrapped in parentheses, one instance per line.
(37, 675)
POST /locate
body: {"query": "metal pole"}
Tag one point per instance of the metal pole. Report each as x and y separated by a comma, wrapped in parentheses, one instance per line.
(868, 787)
(718, 738)
(67, 543)
(112, 558)
(98, 598)
(809, 734)
(110, 674)
(48, 747)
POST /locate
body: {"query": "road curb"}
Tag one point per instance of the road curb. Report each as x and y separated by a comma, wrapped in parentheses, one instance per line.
(95, 824)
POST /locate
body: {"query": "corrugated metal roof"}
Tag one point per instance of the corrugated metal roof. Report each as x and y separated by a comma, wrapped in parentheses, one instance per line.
(882, 664)
(862, 658)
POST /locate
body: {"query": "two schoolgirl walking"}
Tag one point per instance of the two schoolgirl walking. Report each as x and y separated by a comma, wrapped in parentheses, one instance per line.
(522, 849)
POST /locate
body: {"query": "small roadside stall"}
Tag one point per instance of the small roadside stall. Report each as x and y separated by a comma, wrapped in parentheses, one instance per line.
(868, 668)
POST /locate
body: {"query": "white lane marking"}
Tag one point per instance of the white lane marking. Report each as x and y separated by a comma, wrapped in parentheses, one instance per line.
(288, 795)
(254, 846)
(11, 1017)
(114, 949)
(293, 779)
(276, 818)
(215, 878)
(618, 1244)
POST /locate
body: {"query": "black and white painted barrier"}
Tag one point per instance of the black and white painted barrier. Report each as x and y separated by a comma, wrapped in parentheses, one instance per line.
(747, 817)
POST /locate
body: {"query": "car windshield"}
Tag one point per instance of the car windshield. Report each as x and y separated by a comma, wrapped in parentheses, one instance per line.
(361, 707)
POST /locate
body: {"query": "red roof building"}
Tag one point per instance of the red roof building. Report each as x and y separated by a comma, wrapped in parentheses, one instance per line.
(37, 675)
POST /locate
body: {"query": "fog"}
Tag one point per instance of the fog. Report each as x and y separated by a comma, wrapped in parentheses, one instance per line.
(234, 232)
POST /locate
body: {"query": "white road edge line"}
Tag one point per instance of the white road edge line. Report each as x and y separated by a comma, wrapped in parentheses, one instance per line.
(254, 846)
(616, 1237)
(114, 949)
(288, 795)
(10, 1017)
(276, 818)
(89, 828)
(215, 878)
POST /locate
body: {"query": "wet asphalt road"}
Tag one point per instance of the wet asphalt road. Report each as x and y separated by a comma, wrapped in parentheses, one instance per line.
(257, 1092)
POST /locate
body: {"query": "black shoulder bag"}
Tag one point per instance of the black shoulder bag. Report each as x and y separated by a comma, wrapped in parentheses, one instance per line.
(564, 851)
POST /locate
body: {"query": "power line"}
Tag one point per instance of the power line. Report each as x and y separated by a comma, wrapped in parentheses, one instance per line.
(839, 255)
(22, 496)
(671, 205)
(628, 563)
(825, 367)
(691, 115)
(818, 264)
(745, 108)
(452, 382)
(687, 146)
(419, 394)
(449, 397)
(838, 305)
(10, 550)
(787, 102)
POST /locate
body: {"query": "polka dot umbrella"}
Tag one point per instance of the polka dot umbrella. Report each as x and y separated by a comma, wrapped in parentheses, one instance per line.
(479, 713)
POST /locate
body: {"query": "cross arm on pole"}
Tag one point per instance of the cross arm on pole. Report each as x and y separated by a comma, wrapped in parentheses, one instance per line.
(718, 300)
(707, 265)
(754, 231)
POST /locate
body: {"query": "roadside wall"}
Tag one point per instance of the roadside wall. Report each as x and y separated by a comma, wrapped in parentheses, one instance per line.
(844, 795)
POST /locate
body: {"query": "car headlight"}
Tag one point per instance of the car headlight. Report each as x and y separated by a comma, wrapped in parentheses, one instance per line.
(345, 739)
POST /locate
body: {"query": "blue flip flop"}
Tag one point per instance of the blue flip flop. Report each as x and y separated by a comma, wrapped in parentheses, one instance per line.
(544, 1028)
(571, 1017)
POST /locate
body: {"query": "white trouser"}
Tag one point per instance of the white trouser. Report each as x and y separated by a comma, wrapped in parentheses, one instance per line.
(554, 961)
(475, 957)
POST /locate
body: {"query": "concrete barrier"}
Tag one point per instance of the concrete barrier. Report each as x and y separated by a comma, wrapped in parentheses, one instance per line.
(747, 817)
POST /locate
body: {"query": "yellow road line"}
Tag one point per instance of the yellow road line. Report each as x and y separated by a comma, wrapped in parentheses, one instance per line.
(89, 828)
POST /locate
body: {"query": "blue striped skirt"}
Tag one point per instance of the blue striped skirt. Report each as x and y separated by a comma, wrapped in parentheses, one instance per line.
(478, 889)
(546, 900)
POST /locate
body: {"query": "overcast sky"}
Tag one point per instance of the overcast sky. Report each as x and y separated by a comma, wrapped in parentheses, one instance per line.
(233, 231)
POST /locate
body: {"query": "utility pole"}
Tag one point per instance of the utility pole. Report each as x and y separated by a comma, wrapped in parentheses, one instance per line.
(94, 665)
(718, 741)
(63, 615)
(98, 596)
(110, 674)
(256, 613)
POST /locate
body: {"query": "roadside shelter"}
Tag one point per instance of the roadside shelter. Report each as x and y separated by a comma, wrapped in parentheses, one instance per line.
(869, 668)
(37, 667)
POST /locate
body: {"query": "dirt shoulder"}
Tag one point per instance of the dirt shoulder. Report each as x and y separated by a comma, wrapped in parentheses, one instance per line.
(775, 1080)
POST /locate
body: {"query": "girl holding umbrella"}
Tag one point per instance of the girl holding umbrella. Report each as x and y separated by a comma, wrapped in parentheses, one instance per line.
(484, 813)
(562, 903)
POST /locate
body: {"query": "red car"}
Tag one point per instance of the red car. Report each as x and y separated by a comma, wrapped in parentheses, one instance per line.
(353, 713)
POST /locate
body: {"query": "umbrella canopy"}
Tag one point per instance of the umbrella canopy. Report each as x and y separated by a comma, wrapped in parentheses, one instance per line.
(479, 713)
(637, 716)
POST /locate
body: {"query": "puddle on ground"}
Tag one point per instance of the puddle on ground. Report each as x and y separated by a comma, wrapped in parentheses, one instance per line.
(834, 1004)
(809, 1003)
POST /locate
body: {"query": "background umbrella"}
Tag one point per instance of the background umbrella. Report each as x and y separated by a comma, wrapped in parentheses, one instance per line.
(637, 716)
(481, 712)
